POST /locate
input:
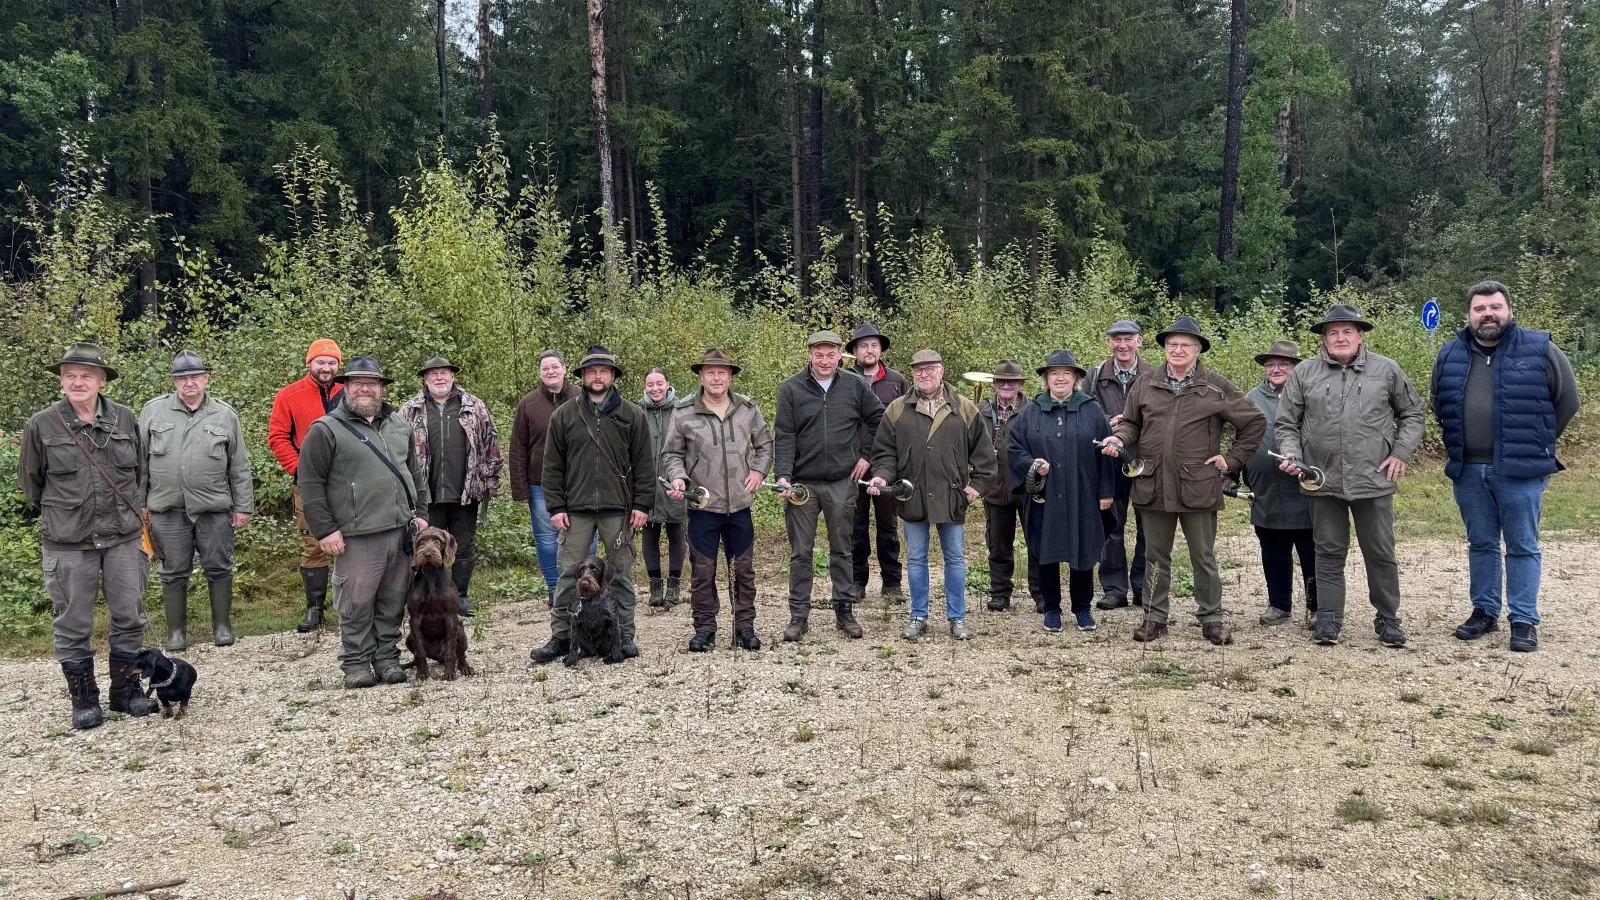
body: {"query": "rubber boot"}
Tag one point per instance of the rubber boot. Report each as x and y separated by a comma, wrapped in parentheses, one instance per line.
(672, 593)
(221, 611)
(126, 697)
(316, 582)
(461, 575)
(85, 694)
(658, 596)
(175, 600)
(844, 618)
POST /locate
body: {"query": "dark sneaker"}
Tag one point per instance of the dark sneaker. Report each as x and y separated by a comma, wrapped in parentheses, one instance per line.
(1112, 601)
(1052, 620)
(1524, 637)
(702, 641)
(550, 652)
(1477, 625)
(915, 628)
(891, 592)
(958, 630)
(630, 650)
(744, 637)
(1217, 633)
(1325, 629)
(998, 604)
(1149, 630)
(1388, 631)
(1085, 621)
(1275, 616)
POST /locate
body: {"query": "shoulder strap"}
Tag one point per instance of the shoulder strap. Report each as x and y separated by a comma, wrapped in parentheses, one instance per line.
(411, 499)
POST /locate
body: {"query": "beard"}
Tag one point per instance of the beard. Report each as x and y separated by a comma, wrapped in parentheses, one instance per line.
(1491, 331)
(365, 406)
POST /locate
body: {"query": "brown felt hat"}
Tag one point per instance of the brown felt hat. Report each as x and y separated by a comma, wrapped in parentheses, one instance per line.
(716, 356)
(1280, 350)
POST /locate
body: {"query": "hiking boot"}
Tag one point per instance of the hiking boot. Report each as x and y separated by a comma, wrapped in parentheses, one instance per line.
(1275, 616)
(221, 593)
(744, 637)
(796, 630)
(891, 593)
(557, 648)
(998, 604)
(1112, 601)
(1524, 637)
(1052, 621)
(360, 678)
(85, 694)
(127, 697)
(914, 628)
(1149, 630)
(389, 672)
(844, 618)
(958, 630)
(1477, 625)
(1217, 633)
(630, 650)
(1325, 629)
(658, 595)
(702, 641)
(316, 585)
(175, 600)
(1388, 631)
(1085, 620)
(674, 583)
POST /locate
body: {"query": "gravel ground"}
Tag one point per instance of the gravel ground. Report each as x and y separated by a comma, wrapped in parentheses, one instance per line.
(1020, 765)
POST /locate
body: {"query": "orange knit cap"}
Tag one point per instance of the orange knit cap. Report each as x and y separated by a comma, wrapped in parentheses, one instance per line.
(323, 347)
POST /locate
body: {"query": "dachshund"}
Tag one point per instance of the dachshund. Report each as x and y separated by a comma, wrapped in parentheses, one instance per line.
(596, 630)
(436, 631)
(171, 680)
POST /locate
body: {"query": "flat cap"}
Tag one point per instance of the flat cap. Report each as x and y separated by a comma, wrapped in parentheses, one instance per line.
(926, 357)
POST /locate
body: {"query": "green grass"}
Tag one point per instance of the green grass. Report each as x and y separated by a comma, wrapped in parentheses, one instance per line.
(1438, 761)
(1356, 808)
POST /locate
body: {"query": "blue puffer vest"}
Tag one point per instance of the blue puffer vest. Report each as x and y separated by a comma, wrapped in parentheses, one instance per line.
(1524, 415)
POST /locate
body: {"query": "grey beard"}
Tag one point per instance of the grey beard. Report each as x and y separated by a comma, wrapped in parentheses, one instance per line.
(1491, 332)
(365, 407)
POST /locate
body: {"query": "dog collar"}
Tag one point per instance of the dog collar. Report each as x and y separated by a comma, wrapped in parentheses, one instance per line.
(169, 681)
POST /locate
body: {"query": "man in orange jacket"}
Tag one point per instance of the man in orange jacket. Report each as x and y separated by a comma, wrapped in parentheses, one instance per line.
(293, 410)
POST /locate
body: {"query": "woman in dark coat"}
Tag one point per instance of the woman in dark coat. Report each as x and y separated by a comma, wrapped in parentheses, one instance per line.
(1281, 513)
(1055, 432)
(667, 515)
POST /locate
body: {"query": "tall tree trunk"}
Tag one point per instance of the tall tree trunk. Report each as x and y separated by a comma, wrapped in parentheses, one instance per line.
(983, 201)
(1230, 149)
(444, 107)
(819, 49)
(1552, 82)
(485, 39)
(131, 15)
(1286, 161)
(858, 252)
(1501, 151)
(602, 130)
(797, 183)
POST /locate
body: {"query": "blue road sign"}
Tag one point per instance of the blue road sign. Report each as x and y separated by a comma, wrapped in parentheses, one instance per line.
(1430, 314)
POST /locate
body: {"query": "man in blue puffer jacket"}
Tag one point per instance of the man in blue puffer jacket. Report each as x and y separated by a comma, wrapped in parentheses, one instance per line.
(1517, 390)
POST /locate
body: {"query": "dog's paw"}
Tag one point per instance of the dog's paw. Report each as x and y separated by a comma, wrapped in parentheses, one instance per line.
(467, 670)
(614, 657)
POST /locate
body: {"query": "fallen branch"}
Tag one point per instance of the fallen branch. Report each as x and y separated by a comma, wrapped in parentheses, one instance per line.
(136, 889)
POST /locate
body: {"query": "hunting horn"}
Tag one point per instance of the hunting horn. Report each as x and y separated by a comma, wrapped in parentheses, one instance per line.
(698, 497)
(1131, 468)
(900, 490)
(798, 493)
(978, 379)
(1311, 477)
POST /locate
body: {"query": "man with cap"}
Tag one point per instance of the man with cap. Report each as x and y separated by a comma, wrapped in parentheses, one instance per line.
(933, 438)
(197, 490)
(528, 430)
(599, 480)
(1280, 513)
(1108, 383)
(1175, 416)
(818, 432)
(1357, 417)
(1003, 507)
(1517, 389)
(80, 467)
(365, 497)
(723, 439)
(458, 451)
(869, 346)
(293, 410)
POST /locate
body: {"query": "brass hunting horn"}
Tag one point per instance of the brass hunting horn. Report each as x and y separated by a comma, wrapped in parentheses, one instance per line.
(900, 490)
(698, 497)
(1311, 477)
(978, 379)
(1132, 468)
(798, 493)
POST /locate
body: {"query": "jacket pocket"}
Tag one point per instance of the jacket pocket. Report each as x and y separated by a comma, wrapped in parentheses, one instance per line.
(1143, 492)
(1199, 486)
(161, 438)
(216, 442)
(124, 452)
(66, 480)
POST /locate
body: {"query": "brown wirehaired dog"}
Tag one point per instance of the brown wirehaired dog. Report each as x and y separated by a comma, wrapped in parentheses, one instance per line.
(595, 629)
(436, 631)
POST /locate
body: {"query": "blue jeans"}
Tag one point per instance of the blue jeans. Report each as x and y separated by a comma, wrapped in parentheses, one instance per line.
(1494, 506)
(546, 539)
(955, 568)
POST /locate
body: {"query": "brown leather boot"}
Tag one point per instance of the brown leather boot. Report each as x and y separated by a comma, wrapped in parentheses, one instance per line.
(844, 618)
(796, 630)
(1217, 633)
(1149, 630)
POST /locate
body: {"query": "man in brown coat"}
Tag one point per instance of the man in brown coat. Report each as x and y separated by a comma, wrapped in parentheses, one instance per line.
(934, 438)
(1109, 383)
(1175, 416)
(528, 432)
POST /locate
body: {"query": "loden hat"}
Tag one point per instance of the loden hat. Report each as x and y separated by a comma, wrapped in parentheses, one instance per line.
(824, 337)
(1280, 350)
(716, 356)
(437, 361)
(1008, 370)
(866, 330)
(84, 353)
(1123, 326)
(323, 347)
(188, 362)
(599, 356)
(1185, 325)
(926, 357)
(1062, 359)
(1342, 313)
(362, 367)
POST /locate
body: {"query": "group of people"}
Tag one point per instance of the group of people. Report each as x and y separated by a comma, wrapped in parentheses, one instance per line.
(1319, 444)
